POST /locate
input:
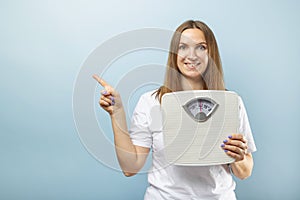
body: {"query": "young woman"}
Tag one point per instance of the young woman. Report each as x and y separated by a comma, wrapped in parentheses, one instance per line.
(193, 64)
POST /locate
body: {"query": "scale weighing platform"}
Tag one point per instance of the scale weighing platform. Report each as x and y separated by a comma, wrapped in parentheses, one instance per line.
(195, 123)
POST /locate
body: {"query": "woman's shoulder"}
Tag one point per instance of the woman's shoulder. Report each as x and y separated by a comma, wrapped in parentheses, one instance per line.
(150, 97)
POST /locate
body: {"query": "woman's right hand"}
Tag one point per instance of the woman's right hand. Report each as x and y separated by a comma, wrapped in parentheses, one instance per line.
(131, 158)
(110, 99)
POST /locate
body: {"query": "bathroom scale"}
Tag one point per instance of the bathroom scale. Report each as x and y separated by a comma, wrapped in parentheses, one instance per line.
(195, 123)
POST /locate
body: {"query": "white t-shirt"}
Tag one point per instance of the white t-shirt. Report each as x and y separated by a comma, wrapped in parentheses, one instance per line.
(179, 182)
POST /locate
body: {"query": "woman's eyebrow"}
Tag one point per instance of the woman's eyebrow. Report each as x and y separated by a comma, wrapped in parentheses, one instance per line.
(196, 44)
(201, 43)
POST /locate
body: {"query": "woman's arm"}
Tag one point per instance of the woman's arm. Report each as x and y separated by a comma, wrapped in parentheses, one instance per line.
(243, 169)
(131, 157)
(236, 147)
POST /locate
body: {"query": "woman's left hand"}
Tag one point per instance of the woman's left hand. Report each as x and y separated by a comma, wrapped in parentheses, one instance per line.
(235, 146)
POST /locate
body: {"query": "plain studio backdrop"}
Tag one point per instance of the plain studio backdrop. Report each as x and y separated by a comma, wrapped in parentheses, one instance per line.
(45, 43)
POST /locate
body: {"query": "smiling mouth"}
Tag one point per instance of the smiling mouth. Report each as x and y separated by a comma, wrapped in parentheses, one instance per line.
(192, 65)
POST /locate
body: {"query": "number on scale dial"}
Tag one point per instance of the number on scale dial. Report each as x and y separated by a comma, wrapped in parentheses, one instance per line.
(201, 108)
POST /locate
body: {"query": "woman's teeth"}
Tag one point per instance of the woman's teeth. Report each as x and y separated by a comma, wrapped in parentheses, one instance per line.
(192, 65)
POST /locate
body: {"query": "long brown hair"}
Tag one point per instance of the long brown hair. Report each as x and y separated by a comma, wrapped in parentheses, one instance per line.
(212, 77)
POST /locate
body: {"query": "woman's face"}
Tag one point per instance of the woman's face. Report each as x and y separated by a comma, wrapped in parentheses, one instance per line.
(192, 57)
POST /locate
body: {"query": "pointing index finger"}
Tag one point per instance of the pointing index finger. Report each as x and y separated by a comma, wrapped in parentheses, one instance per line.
(100, 80)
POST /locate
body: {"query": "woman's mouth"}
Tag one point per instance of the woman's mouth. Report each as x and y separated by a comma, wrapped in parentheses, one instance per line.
(192, 65)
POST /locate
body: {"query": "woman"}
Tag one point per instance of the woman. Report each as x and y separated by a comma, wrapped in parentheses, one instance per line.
(193, 64)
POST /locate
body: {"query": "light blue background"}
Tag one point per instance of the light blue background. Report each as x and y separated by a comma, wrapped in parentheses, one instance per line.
(43, 44)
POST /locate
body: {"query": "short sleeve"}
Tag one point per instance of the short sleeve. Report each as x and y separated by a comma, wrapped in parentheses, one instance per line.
(245, 127)
(139, 131)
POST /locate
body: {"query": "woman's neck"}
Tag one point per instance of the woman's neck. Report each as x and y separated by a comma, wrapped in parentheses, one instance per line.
(192, 84)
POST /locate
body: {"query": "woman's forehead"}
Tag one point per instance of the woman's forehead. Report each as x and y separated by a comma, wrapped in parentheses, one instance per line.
(192, 35)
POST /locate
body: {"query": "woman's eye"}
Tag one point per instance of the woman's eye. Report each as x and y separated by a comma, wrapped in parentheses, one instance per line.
(201, 47)
(182, 47)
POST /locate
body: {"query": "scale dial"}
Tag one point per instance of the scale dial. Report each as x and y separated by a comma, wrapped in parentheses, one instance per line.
(201, 108)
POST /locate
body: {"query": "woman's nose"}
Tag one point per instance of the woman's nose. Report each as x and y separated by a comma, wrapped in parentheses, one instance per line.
(192, 54)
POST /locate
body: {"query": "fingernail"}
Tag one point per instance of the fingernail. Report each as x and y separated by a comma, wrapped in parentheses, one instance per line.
(104, 92)
(112, 103)
(225, 141)
(222, 145)
(230, 136)
(225, 151)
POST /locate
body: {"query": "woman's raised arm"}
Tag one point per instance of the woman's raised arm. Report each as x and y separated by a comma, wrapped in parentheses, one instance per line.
(131, 157)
